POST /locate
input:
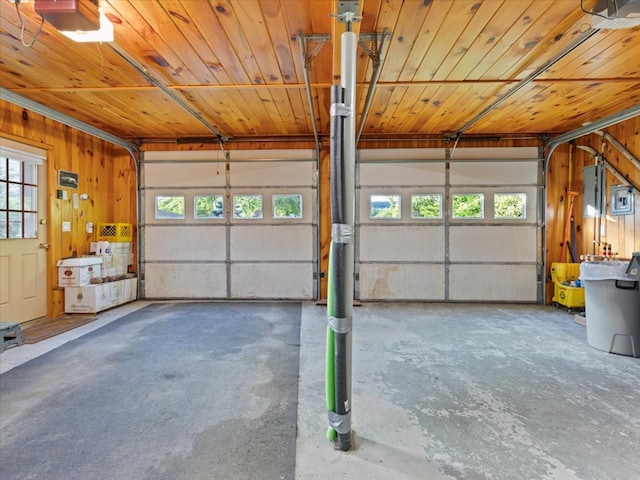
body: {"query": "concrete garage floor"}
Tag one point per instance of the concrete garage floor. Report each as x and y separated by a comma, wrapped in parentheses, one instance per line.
(453, 391)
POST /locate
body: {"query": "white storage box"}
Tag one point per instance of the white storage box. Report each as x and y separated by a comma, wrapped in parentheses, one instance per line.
(88, 298)
(101, 296)
(74, 272)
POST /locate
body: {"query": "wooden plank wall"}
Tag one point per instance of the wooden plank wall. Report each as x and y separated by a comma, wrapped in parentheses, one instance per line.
(105, 173)
(622, 232)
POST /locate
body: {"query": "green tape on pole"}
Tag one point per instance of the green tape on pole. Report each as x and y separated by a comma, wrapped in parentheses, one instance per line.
(330, 384)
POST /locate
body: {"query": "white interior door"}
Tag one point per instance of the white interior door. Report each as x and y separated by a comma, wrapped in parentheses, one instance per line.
(23, 254)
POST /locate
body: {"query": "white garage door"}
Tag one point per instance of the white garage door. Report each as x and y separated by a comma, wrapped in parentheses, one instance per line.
(460, 229)
(242, 227)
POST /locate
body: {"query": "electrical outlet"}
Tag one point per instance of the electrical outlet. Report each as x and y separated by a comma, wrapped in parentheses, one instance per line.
(66, 226)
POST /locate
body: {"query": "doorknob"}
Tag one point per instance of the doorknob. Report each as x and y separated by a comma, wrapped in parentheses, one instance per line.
(44, 246)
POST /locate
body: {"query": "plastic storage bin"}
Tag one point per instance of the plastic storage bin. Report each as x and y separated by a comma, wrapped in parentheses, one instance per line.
(115, 232)
(612, 301)
(567, 295)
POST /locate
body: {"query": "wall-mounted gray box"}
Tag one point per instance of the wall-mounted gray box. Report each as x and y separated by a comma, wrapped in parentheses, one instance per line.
(593, 191)
(621, 200)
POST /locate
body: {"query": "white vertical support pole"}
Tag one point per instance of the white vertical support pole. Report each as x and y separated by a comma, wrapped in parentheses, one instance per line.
(348, 83)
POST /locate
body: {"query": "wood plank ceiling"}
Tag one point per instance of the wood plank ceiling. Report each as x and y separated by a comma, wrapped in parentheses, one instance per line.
(237, 64)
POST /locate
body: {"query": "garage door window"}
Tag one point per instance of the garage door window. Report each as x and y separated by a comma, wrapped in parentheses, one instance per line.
(426, 206)
(287, 206)
(468, 205)
(247, 206)
(385, 206)
(509, 205)
(208, 206)
(169, 207)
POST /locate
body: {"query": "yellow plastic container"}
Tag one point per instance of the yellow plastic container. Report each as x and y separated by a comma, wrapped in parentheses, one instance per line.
(570, 297)
(115, 232)
(566, 295)
(561, 272)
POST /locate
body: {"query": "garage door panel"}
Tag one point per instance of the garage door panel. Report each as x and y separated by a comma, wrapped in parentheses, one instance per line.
(494, 173)
(493, 244)
(272, 242)
(185, 243)
(272, 280)
(409, 243)
(186, 280)
(402, 174)
(186, 175)
(490, 255)
(401, 281)
(493, 283)
(270, 174)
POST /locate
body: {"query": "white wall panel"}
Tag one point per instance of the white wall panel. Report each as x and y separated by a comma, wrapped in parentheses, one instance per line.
(268, 174)
(272, 242)
(185, 243)
(172, 175)
(494, 173)
(186, 280)
(400, 174)
(502, 283)
(408, 243)
(401, 282)
(493, 244)
(271, 280)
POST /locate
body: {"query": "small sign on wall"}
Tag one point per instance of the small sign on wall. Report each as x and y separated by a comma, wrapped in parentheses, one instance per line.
(67, 179)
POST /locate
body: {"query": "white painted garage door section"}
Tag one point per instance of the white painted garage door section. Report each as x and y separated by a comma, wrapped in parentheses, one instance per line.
(401, 258)
(491, 258)
(273, 258)
(228, 257)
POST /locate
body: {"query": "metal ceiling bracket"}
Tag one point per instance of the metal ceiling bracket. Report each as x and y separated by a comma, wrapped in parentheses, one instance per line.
(311, 46)
(347, 10)
(308, 53)
(378, 41)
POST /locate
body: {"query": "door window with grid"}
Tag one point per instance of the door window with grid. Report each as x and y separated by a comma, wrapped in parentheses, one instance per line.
(18, 198)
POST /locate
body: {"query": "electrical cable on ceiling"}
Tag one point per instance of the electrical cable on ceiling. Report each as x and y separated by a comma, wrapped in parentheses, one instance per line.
(22, 27)
(595, 14)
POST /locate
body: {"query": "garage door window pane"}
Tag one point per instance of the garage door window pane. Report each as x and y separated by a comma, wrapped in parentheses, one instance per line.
(426, 206)
(385, 206)
(287, 206)
(468, 205)
(247, 206)
(509, 205)
(169, 207)
(208, 206)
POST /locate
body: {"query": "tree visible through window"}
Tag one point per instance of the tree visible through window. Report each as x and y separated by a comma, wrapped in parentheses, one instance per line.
(426, 206)
(509, 205)
(385, 206)
(287, 206)
(247, 206)
(468, 205)
(170, 207)
(208, 206)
